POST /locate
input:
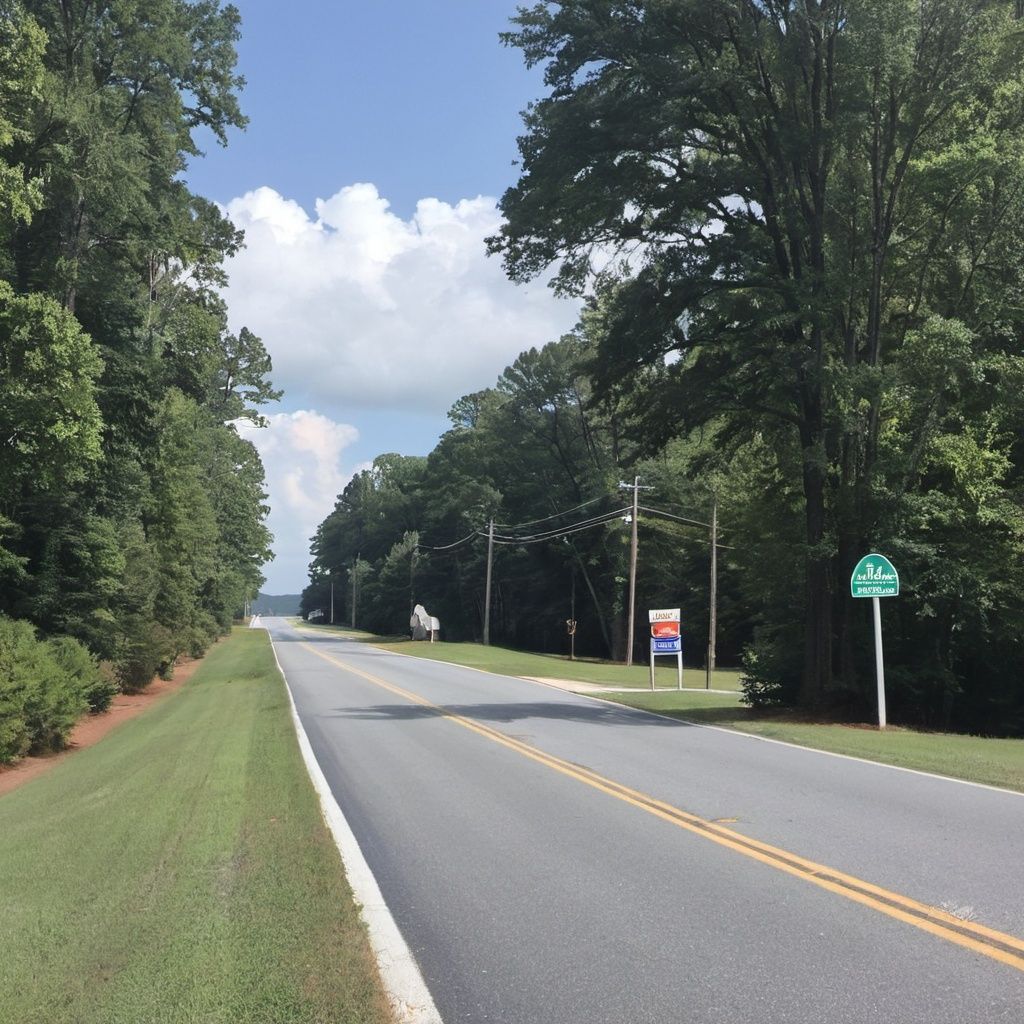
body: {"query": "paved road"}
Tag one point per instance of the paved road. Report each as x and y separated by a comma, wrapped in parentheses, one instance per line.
(552, 859)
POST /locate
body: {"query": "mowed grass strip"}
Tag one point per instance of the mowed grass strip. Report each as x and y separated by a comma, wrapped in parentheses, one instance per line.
(994, 762)
(506, 661)
(180, 871)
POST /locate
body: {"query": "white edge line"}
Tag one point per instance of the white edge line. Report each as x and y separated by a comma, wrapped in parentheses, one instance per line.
(403, 982)
(714, 728)
(794, 746)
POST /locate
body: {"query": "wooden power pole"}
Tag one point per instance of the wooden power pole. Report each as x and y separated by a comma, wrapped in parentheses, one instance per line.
(632, 574)
(713, 612)
(487, 587)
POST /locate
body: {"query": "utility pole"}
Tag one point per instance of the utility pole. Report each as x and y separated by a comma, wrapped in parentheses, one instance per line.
(412, 577)
(632, 567)
(355, 577)
(332, 599)
(632, 575)
(572, 619)
(487, 587)
(713, 620)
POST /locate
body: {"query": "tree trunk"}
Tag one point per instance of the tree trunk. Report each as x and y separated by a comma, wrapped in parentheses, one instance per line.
(817, 675)
(619, 637)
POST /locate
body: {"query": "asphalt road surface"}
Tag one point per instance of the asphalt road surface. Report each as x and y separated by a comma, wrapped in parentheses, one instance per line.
(552, 859)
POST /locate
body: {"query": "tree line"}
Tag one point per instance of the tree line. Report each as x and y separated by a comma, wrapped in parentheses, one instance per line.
(797, 228)
(132, 515)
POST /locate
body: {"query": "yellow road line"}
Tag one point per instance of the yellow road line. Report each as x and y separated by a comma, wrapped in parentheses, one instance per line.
(1005, 948)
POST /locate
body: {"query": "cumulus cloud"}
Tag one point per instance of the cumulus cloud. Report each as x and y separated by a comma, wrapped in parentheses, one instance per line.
(362, 309)
(303, 455)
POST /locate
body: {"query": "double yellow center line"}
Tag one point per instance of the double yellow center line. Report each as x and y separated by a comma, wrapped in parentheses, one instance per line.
(1007, 949)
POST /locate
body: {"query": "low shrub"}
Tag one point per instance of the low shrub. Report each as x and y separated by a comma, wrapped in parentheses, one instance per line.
(95, 685)
(771, 672)
(45, 687)
(145, 650)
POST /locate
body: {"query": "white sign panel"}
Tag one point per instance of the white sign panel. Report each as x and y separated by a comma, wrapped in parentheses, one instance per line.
(663, 614)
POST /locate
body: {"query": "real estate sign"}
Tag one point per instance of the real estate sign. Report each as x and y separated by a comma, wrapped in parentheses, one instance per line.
(666, 638)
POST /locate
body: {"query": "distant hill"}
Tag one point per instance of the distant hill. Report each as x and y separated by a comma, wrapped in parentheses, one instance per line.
(276, 604)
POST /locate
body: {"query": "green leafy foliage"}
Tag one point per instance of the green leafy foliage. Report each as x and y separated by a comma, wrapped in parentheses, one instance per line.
(49, 419)
(43, 690)
(132, 514)
(809, 218)
(798, 230)
(84, 672)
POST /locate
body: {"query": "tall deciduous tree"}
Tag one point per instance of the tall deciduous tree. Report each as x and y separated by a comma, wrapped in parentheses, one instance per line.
(132, 513)
(22, 43)
(49, 419)
(793, 190)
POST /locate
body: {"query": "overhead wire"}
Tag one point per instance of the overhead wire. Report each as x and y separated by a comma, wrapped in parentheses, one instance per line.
(670, 515)
(448, 547)
(556, 515)
(561, 531)
(568, 531)
(548, 534)
(689, 522)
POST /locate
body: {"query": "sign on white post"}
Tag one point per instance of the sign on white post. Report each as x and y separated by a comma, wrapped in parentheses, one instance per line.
(875, 576)
(666, 638)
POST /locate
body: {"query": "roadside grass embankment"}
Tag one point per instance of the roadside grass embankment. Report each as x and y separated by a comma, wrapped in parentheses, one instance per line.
(180, 871)
(505, 661)
(993, 762)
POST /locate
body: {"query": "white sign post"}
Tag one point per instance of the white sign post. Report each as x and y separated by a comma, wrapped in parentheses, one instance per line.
(666, 638)
(876, 577)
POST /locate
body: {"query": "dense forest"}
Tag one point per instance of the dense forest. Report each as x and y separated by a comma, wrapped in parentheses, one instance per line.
(797, 229)
(132, 516)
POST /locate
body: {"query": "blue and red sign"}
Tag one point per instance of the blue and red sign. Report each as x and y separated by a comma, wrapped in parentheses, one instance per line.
(668, 645)
(666, 634)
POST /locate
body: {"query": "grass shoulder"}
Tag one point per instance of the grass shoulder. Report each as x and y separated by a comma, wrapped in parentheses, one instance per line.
(181, 871)
(507, 661)
(993, 762)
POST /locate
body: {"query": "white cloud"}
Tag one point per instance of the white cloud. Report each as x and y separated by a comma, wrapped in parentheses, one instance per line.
(360, 308)
(302, 454)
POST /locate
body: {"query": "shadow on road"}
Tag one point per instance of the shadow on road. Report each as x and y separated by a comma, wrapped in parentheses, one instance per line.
(593, 714)
(293, 637)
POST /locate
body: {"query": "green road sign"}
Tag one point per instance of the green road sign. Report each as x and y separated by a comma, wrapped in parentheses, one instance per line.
(875, 576)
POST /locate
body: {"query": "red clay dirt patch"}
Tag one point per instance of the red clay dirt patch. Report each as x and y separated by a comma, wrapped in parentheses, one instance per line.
(92, 728)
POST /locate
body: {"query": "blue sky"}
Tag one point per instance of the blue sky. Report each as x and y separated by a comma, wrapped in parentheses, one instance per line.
(418, 97)
(381, 135)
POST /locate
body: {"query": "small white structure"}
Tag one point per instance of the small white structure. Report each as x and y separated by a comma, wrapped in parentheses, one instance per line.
(424, 626)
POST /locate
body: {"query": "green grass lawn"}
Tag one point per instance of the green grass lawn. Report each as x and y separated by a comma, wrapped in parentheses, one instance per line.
(180, 871)
(522, 663)
(996, 762)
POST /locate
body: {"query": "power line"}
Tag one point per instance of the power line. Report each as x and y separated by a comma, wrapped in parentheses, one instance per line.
(554, 534)
(585, 524)
(546, 535)
(448, 547)
(690, 522)
(670, 515)
(534, 522)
